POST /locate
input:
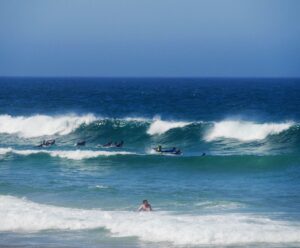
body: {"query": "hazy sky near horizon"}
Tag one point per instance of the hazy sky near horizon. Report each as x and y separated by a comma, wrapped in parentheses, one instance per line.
(218, 38)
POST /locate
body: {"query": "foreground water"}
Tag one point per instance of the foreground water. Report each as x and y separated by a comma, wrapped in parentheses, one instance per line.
(243, 193)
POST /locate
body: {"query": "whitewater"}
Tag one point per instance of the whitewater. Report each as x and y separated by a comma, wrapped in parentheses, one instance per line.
(22, 215)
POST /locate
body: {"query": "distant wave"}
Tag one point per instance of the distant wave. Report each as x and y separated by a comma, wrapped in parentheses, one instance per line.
(40, 125)
(245, 130)
(75, 154)
(212, 229)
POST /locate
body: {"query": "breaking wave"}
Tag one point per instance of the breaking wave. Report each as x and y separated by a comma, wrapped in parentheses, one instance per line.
(159, 127)
(227, 136)
(41, 125)
(245, 131)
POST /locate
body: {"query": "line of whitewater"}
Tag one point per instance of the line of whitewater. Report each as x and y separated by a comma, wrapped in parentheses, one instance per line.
(67, 154)
(22, 215)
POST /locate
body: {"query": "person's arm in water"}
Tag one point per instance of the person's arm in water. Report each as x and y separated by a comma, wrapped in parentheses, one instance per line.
(141, 208)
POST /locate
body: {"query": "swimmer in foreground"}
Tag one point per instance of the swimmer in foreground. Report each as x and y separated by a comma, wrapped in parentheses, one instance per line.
(145, 206)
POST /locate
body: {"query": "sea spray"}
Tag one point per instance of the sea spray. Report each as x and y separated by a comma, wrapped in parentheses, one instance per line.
(245, 130)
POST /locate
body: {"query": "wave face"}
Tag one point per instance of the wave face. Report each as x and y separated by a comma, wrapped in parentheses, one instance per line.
(26, 216)
(159, 127)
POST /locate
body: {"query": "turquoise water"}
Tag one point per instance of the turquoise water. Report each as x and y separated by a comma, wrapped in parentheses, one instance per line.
(243, 193)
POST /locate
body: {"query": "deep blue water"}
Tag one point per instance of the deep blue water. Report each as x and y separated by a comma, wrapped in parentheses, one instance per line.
(244, 192)
(187, 99)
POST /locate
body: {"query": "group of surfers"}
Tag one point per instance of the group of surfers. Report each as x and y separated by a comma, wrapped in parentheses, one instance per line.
(51, 142)
(116, 144)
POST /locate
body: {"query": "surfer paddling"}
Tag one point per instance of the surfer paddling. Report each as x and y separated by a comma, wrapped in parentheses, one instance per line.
(173, 151)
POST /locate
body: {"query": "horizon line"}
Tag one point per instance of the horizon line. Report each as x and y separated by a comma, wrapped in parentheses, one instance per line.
(156, 77)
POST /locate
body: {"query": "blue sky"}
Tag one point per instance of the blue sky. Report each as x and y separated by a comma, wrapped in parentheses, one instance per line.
(193, 38)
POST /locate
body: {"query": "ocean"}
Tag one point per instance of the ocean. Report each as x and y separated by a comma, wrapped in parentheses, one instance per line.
(236, 182)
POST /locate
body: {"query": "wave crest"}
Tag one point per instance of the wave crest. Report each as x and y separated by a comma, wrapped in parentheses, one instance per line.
(42, 125)
(160, 127)
(245, 130)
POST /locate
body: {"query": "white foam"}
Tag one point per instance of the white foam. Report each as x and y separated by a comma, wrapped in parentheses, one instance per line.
(245, 130)
(159, 127)
(101, 186)
(21, 215)
(40, 125)
(223, 205)
(68, 154)
(4, 151)
(80, 154)
(137, 119)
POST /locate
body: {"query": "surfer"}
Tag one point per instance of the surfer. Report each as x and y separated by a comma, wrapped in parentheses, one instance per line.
(158, 148)
(116, 144)
(47, 143)
(108, 144)
(81, 143)
(42, 144)
(177, 152)
(173, 150)
(145, 207)
(119, 144)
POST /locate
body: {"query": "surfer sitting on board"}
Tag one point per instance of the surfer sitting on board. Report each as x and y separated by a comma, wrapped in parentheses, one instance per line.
(145, 206)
